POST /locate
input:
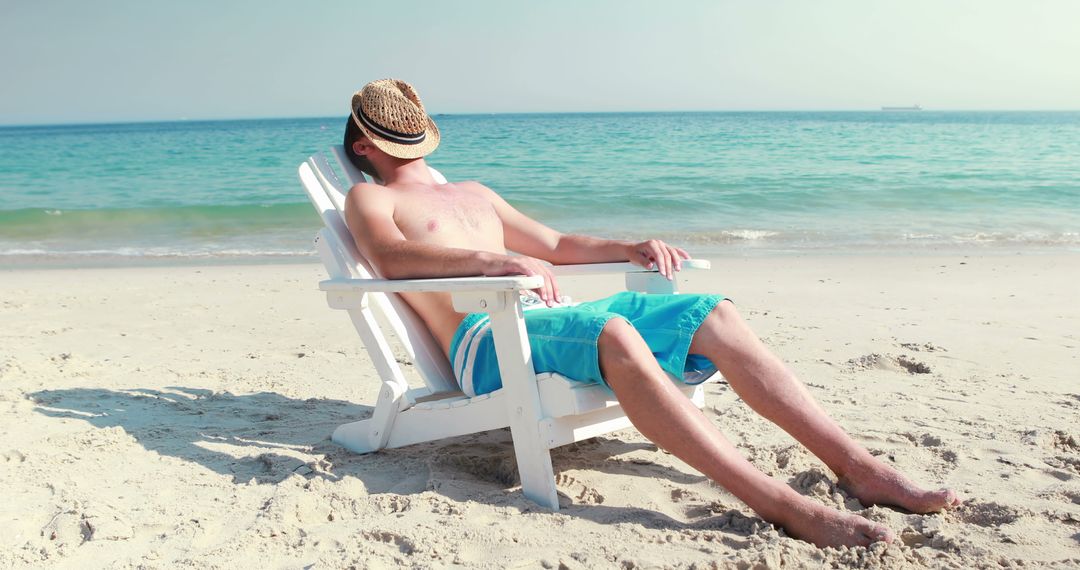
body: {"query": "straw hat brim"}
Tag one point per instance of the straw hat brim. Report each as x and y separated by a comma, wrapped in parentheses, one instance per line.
(399, 150)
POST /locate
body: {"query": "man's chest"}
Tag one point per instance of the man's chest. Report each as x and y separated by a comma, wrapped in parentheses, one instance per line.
(445, 216)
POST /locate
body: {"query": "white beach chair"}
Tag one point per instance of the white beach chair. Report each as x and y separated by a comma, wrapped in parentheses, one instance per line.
(543, 411)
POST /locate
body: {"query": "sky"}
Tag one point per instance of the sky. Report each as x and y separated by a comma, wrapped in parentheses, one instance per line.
(138, 60)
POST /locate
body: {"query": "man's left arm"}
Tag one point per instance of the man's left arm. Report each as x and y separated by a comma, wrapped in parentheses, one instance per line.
(530, 237)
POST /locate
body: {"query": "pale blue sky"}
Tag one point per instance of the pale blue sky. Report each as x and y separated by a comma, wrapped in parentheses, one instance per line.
(129, 60)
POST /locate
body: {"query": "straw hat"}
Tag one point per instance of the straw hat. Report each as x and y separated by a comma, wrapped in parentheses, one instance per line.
(390, 113)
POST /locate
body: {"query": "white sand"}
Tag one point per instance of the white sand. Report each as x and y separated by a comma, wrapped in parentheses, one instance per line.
(164, 417)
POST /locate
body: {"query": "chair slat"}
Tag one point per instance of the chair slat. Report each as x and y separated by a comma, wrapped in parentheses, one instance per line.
(336, 192)
(313, 187)
(333, 187)
(410, 330)
(352, 173)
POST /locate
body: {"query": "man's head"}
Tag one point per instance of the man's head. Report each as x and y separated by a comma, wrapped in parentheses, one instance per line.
(388, 119)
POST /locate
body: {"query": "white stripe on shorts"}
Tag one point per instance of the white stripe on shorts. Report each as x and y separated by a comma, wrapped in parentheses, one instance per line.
(470, 339)
(459, 358)
(466, 379)
(465, 359)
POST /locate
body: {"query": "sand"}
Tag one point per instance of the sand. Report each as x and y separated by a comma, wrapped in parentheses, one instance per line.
(180, 417)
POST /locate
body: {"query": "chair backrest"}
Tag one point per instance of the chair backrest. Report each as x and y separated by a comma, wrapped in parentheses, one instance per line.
(343, 259)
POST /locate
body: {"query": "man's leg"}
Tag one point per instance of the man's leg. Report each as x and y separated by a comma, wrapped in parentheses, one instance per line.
(772, 390)
(664, 415)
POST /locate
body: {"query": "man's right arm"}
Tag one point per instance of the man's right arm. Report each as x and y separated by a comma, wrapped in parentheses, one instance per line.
(369, 213)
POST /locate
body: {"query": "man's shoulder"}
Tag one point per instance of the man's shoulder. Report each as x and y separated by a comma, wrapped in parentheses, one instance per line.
(473, 186)
(364, 189)
(368, 194)
(367, 187)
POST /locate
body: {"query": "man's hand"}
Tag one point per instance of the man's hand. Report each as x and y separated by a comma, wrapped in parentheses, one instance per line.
(525, 265)
(655, 253)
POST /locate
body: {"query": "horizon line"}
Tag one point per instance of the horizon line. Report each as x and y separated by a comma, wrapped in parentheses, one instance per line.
(474, 114)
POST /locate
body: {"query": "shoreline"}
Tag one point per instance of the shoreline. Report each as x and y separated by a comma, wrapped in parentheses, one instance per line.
(9, 263)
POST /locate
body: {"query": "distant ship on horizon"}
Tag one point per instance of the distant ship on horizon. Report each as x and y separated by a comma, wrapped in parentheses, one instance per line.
(911, 108)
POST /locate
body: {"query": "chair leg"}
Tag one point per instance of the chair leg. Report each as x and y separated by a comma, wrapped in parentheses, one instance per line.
(369, 435)
(523, 403)
(386, 410)
(354, 436)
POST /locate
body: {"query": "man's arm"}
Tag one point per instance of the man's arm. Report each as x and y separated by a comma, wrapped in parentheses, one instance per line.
(369, 214)
(528, 236)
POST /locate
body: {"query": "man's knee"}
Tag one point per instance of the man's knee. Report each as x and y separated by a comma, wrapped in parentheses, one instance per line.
(718, 326)
(619, 335)
(624, 356)
(725, 313)
(620, 341)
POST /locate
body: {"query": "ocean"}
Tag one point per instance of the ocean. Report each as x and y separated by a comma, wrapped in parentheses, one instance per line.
(723, 183)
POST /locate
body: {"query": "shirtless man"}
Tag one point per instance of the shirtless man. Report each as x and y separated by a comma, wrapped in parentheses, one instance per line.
(412, 227)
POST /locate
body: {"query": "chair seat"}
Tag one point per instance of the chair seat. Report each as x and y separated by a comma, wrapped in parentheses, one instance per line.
(561, 396)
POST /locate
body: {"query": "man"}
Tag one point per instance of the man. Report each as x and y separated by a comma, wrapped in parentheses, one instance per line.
(409, 226)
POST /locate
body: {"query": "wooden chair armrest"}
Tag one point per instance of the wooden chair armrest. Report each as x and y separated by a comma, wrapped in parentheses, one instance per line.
(620, 268)
(446, 284)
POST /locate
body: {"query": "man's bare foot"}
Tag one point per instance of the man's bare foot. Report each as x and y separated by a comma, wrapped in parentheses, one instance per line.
(824, 526)
(875, 483)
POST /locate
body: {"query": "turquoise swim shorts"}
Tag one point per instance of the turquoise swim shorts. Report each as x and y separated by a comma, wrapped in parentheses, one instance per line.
(563, 339)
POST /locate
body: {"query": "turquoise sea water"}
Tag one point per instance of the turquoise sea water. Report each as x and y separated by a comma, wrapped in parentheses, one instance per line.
(744, 183)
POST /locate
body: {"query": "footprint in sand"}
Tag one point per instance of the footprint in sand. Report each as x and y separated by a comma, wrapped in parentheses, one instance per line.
(9, 366)
(695, 507)
(391, 503)
(1064, 463)
(1066, 442)
(927, 531)
(403, 543)
(579, 491)
(1063, 517)
(679, 495)
(912, 366)
(67, 528)
(988, 514)
(1070, 401)
(780, 459)
(933, 444)
(1053, 441)
(1065, 513)
(268, 468)
(930, 451)
(75, 527)
(888, 362)
(815, 483)
(924, 347)
(494, 468)
(1063, 449)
